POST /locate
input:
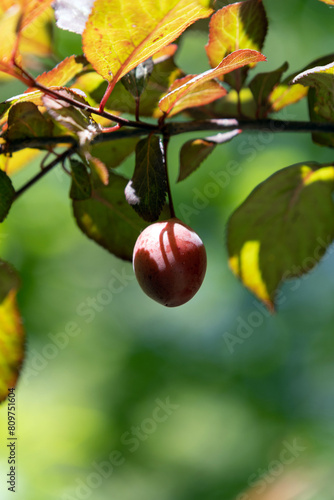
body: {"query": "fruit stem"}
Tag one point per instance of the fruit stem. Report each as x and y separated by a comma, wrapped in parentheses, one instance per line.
(169, 192)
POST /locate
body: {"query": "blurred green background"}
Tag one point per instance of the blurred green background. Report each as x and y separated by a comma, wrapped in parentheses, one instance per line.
(145, 402)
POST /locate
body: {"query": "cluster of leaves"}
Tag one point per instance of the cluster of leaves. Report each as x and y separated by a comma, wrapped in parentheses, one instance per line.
(87, 114)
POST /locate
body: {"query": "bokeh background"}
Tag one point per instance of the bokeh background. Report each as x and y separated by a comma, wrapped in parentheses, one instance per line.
(144, 402)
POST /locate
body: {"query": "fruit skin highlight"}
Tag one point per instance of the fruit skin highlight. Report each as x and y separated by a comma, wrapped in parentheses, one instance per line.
(169, 261)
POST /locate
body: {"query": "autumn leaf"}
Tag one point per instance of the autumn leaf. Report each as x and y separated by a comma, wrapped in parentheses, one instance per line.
(11, 330)
(121, 34)
(240, 25)
(180, 93)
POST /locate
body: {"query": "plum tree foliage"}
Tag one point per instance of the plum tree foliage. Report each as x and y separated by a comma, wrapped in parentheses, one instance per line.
(120, 96)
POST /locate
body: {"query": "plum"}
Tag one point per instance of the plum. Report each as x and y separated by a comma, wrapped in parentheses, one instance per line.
(169, 261)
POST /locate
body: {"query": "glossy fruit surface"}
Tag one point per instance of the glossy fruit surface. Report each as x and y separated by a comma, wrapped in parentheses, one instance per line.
(169, 260)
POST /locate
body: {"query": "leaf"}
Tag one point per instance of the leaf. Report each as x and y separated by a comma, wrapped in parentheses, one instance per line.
(32, 9)
(81, 188)
(11, 330)
(241, 25)
(198, 95)
(163, 75)
(136, 80)
(194, 152)
(25, 121)
(78, 121)
(7, 195)
(63, 73)
(262, 86)
(18, 160)
(283, 228)
(329, 2)
(231, 62)
(113, 153)
(286, 92)
(14, 20)
(321, 98)
(108, 219)
(146, 191)
(8, 24)
(121, 34)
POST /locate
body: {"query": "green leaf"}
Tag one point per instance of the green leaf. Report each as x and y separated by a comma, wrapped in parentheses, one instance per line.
(194, 152)
(121, 34)
(11, 330)
(113, 153)
(146, 191)
(108, 219)
(7, 195)
(283, 228)
(136, 80)
(81, 188)
(320, 98)
(25, 121)
(241, 25)
(262, 86)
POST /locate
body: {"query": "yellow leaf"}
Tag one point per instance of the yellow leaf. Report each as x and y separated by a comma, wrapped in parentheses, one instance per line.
(11, 344)
(121, 34)
(17, 161)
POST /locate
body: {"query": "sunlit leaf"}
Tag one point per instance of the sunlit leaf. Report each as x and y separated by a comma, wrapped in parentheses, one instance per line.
(146, 191)
(231, 62)
(198, 95)
(36, 39)
(283, 228)
(108, 219)
(287, 92)
(81, 188)
(32, 9)
(241, 25)
(262, 86)
(121, 34)
(8, 23)
(11, 330)
(18, 160)
(321, 98)
(195, 151)
(7, 194)
(64, 72)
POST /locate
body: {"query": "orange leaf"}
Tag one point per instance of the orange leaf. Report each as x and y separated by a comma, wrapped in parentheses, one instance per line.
(231, 62)
(121, 34)
(61, 74)
(198, 95)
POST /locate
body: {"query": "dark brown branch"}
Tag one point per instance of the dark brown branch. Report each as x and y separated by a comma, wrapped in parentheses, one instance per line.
(176, 128)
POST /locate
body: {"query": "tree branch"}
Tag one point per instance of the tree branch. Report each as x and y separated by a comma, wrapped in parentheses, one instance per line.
(176, 128)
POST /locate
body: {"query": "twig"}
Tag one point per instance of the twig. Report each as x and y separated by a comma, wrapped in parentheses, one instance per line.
(45, 170)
